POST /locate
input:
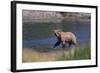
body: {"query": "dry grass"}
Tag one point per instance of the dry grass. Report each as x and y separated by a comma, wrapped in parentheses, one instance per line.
(33, 56)
(80, 53)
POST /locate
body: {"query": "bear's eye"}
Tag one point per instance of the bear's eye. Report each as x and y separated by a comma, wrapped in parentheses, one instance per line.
(55, 34)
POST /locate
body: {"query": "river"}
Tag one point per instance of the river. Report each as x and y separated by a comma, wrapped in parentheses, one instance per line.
(39, 34)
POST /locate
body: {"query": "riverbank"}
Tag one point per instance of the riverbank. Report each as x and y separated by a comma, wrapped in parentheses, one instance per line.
(79, 53)
(52, 16)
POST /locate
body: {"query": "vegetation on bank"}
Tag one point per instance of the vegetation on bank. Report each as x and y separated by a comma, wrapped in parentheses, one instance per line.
(79, 53)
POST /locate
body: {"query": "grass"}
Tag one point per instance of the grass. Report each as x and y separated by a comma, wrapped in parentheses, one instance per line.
(79, 53)
(34, 56)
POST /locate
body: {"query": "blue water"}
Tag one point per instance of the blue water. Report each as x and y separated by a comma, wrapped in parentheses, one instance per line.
(82, 32)
(82, 37)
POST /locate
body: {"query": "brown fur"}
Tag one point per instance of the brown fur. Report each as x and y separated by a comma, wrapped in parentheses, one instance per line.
(65, 37)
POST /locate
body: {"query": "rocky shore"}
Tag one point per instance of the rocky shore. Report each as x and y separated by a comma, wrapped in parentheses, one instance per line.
(54, 17)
